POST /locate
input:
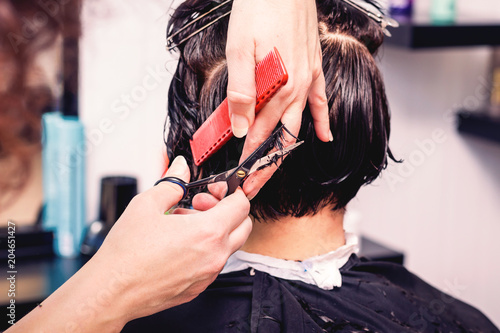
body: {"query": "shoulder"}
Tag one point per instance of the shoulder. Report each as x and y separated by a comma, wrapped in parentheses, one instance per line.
(375, 296)
(405, 297)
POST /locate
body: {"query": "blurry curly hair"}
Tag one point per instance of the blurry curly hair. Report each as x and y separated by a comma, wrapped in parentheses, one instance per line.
(27, 28)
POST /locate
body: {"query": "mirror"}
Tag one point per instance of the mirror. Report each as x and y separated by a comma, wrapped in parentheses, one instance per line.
(36, 37)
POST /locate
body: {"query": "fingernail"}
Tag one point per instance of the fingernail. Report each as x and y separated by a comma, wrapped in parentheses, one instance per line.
(330, 136)
(240, 125)
(178, 165)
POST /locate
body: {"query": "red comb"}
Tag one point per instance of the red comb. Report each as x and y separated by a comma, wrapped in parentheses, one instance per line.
(270, 76)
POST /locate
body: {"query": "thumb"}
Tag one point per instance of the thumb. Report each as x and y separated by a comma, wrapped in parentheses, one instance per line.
(166, 194)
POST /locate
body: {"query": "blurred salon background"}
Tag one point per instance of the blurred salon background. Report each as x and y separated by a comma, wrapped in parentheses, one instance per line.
(440, 208)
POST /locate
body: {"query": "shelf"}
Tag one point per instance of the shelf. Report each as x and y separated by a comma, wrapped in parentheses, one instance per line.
(421, 33)
(480, 125)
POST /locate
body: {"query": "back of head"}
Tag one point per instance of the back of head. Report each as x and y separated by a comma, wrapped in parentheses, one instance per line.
(318, 174)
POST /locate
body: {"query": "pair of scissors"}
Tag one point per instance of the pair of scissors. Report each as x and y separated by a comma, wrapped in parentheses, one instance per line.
(236, 176)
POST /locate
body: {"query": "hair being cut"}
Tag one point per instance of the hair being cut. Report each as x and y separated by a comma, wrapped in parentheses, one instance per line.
(318, 174)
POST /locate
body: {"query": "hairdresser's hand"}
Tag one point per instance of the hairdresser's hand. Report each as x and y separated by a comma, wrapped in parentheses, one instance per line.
(182, 255)
(149, 262)
(255, 27)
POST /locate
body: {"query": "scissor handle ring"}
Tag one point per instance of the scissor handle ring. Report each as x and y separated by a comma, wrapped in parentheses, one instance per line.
(174, 180)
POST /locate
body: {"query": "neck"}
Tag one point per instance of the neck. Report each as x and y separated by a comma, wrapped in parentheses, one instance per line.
(299, 238)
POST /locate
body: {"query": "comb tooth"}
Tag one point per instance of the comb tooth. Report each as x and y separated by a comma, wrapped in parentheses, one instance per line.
(270, 75)
(212, 134)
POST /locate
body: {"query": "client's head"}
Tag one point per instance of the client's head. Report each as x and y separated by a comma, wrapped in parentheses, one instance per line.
(317, 175)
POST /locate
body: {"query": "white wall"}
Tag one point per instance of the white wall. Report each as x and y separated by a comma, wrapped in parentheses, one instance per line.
(441, 207)
(124, 87)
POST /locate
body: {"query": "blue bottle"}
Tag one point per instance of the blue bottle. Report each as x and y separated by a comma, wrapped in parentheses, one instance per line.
(63, 165)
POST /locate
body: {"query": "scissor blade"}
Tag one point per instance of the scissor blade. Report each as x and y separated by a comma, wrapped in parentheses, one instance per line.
(273, 157)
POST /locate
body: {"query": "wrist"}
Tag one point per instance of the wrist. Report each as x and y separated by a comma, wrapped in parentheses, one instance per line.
(87, 302)
(111, 302)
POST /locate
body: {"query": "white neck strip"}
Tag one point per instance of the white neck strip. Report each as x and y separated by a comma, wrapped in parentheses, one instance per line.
(322, 271)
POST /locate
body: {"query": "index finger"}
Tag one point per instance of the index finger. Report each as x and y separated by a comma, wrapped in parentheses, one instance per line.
(230, 212)
(266, 121)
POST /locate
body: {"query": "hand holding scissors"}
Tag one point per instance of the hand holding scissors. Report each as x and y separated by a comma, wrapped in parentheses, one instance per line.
(236, 176)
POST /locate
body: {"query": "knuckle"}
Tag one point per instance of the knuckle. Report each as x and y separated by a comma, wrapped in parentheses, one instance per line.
(191, 296)
(139, 200)
(172, 187)
(289, 89)
(316, 72)
(306, 76)
(256, 139)
(246, 205)
(194, 290)
(318, 98)
(213, 264)
(217, 263)
(297, 89)
(214, 237)
(197, 290)
(206, 233)
(237, 97)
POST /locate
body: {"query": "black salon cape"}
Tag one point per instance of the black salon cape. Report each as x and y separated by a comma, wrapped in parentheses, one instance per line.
(374, 297)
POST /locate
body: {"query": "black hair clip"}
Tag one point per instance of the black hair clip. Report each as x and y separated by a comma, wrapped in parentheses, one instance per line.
(373, 13)
(170, 45)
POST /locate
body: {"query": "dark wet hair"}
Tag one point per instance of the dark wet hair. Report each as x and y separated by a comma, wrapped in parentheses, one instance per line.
(318, 174)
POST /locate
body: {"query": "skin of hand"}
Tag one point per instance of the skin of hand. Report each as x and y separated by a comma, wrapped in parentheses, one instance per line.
(149, 262)
(255, 27)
